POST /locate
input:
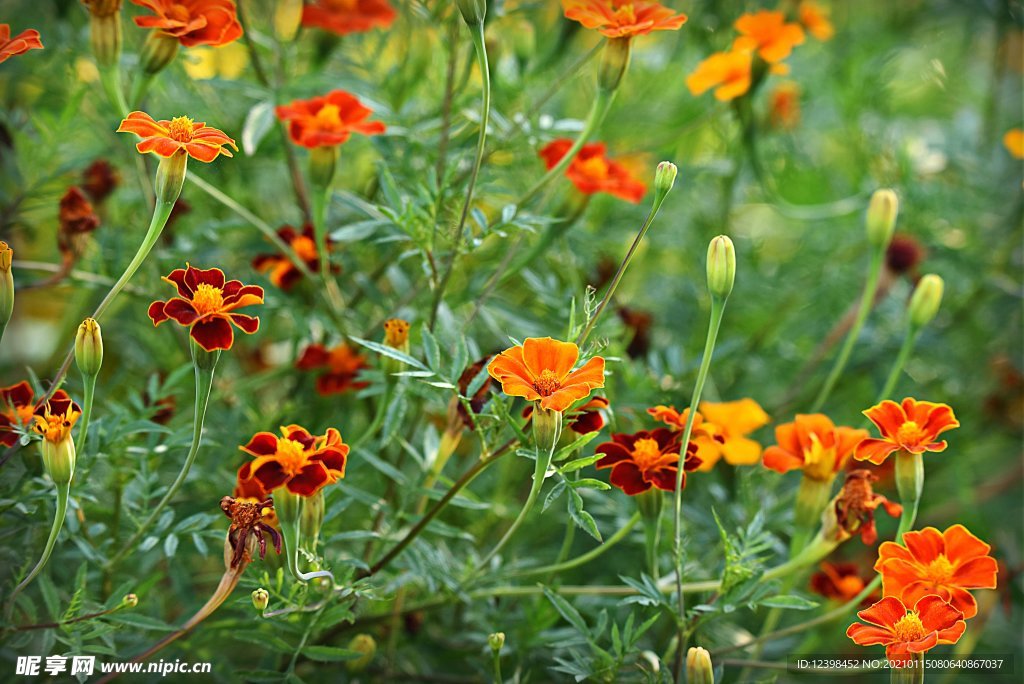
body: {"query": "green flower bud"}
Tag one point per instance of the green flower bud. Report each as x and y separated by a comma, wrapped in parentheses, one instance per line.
(322, 163)
(365, 644)
(6, 284)
(129, 601)
(89, 347)
(105, 37)
(260, 599)
(496, 641)
(158, 51)
(614, 62)
(473, 11)
(312, 519)
(698, 666)
(170, 176)
(721, 266)
(925, 301)
(664, 178)
(881, 218)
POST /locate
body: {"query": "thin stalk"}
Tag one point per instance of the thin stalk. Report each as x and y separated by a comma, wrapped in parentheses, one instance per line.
(480, 46)
(289, 509)
(321, 199)
(63, 493)
(584, 558)
(110, 79)
(911, 673)
(497, 666)
(909, 340)
(652, 534)
(89, 383)
(80, 618)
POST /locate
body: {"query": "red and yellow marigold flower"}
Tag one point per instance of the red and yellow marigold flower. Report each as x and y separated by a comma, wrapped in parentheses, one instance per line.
(784, 106)
(342, 366)
(55, 418)
(327, 120)
(541, 370)
(192, 22)
(904, 632)
(623, 18)
(646, 459)
(813, 444)
(16, 411)
(729, 73)
(298, 461)
(767, 33)
(180, 134)
(913, 427)
(348, 16)
(21, 43)
(592, 171)
(206, 305)
(854, 508)
(814, 18)
(1013, 141)
(280, 269)
(946, 564)
(838, 581)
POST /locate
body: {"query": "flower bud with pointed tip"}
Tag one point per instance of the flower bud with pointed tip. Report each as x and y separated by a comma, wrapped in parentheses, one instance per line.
(925, 301)
(664, 178)
(365, 644)
(473, 11)
(158, 51)
(89, 348)
(130, 601)
(260, 599)
(6, 284)
(721, 266)
(881, 217)
(496, 641)
(698, 666)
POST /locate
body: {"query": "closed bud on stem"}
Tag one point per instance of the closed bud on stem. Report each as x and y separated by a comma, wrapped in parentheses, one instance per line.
(170, 177)
(496, 641)
(367, 646)
(721, 267)
(260, 599)
(287, 19)
(473, 11)
(129, 601)
(396, 336)
(158, 51)
(105, 38)
(909, 477)
(547, 428)
(59, 458)
(89, 347)
(312, 519)
(322, 162)
(203, 360)
(664, 178)
(6, 285)
(614, 62)
(881, 218)
(925, 301)
(698, 666)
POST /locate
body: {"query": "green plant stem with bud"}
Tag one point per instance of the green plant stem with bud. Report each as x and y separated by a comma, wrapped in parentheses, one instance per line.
(290, 508)
(585, 558)
(63, 494)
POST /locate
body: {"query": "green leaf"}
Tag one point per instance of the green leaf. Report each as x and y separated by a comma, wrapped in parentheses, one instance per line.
(330, 654)
(566, 610)
(789, 602)
(577, 463)
(258, 123)
(584, 520)
(385, 350)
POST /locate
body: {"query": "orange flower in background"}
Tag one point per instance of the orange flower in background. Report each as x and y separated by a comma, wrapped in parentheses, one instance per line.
(592, 171)
(192, 22)
(767, 33)
(646, 459)
(21, 43)
(903, 631)
(1013, 140)
(813, 444)
(946, 564)
(16, 410)
(348, 16)
(727, 72)
(784, 106)
(206, 305)
(734, 420)
(167, 138)
(913, 426)
(854, 508)
(327, 120)
(342, 364)
(814, 18)
(623, 18)
(296, 460)
(838, 581)
(282, 272)
(541, 370)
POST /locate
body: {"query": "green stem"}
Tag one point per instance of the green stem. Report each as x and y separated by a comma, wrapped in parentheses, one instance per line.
(913, 673)
(909, 340)
(289, 509)
(586, 557)
(652, 534)
(497, 667)
(866, 300)
(321, 198)
(531, 498)
(110, 79)
(89, 383)
(63, 493)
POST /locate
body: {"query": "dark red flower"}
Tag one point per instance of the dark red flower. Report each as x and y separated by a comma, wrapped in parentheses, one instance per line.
(646, 459)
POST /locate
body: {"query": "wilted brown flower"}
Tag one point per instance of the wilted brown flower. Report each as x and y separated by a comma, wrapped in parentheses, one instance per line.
(76, 219)
(853, 510)
(99, 180)
(903, 255)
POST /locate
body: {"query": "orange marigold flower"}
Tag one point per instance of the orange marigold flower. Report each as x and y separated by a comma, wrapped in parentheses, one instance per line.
(767, 33)
(838, 581)
(55, 418)
(16, 410)
(592, 171)
(167, 138)
(903, 631)
(733, 421)
(784, 106)
(540, 370)
(282, 272)
(814, 18)
(23, 42)
(708, 436)
(348, 16)
(1013, 140)
(943, 563)
(813, 444)
(646, 459)
(192, 22)
(342, 364)
(296, 460)
(728, 72)
(328, 119)
(623, 18)
(913, 426)
(854, 508)
(206, 305)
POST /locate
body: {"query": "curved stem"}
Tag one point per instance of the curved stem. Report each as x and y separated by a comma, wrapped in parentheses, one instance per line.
(63, 493)
(531, 499)
(89, 384)
(110, 79)
(586, 557)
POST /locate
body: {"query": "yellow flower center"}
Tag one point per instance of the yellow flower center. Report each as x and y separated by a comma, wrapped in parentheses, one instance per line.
(595, 167)
(819, 462)
(940, 570)
(910, 433)
(181, 129)
(625, 14)
(304, 248)
(646, 453)
(291, 455)
(207, 299)
(909, 628)
(546, 383)
(329, 117)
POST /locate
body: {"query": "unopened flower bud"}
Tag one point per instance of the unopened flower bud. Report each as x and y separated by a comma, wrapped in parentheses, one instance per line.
(614, 62)
(105, 37)
(547, 428)
(170, 176)
(473, 11)
(260, 599)
(130, 601)
(721, 266)
(881, 218)
(6, 285)
(312, 519)
(365, 644)
(287, 19)
(89, 347)
(925, 301)
(158, 51)
(54, 421)
(496, 641)
(396, 334)
(698, 666)
(664, 178)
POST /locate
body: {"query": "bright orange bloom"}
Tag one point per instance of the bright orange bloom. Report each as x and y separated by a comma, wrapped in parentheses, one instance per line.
(623, 18)
(727, 72)
(541, 370)
(943, 563)
(854, 508)
(734, 420)
(348, 16)
(767, 33)
(282, 272)
(784, 106)
(342, 364)
(903, 631)
(592, 171)
(23, 42)
(55, 418)
(16, 409)
(1013, 140)
(913, 427)
(813, 444)
(839, 581)
(814, 18)
(296, 460)
(167, 138)
(206, 304)
(327, 120)
(192, 22)
(646, 459)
